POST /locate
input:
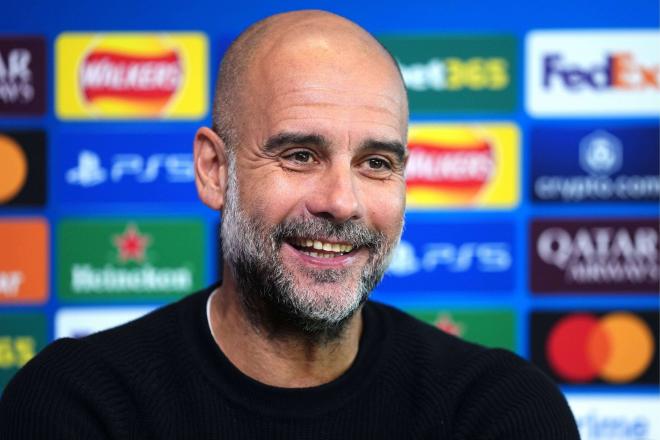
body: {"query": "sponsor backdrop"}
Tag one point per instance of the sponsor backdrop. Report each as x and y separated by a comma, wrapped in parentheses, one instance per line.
(533, 178)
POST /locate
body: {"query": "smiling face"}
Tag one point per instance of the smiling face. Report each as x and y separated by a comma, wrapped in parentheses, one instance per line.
(316, 191)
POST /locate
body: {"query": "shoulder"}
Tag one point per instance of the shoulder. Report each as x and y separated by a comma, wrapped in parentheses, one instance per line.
(98, 377)
(473, 391)
(415, 339)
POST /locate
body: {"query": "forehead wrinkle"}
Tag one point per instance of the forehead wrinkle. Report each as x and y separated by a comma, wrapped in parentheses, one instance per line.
(304, 109)
(314, 94)
(361, 121)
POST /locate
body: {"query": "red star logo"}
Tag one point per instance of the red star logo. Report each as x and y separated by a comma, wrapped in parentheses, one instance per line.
(131, 245)
(448, 325)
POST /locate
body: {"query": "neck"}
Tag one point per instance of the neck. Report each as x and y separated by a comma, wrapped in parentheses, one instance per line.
(286, 359)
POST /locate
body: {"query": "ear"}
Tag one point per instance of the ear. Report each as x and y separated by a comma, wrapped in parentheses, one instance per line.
(210, 158)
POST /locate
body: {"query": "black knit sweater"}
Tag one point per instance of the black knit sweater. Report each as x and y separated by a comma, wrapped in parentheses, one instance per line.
(163, 377)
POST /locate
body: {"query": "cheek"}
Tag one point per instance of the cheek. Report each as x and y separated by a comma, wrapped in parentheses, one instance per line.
(386, 209)
(269, 196)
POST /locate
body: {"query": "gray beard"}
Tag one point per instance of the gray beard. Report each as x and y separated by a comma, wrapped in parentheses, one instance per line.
(269, 293)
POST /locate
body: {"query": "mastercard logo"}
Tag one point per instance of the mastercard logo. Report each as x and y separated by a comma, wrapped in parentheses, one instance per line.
(462, 165)
(617, 347)
(13, 168)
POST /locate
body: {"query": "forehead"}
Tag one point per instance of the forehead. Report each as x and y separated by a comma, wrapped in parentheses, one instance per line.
(317, 96)
(324, 75)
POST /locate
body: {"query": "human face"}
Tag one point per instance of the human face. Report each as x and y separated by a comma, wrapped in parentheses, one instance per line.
(320, 165)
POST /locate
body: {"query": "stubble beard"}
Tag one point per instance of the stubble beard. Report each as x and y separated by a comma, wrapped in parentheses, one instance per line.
(268, 291)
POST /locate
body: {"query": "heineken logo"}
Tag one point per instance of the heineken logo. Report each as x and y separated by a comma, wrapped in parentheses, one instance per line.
(445, 323)
(131, 260)
(131, 244)
(489, 327)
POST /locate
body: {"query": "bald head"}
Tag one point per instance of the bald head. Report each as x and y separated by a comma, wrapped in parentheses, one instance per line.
(286, 46)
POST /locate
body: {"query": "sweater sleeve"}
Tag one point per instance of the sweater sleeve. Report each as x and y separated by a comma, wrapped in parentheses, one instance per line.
(62, 394)
(513, 400)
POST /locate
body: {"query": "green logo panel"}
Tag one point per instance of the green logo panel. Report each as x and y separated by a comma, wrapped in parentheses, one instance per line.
(129, 260)
(22, 336)
(457, 73)
(492, 328)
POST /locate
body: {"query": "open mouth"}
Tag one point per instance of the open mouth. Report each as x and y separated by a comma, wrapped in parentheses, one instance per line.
(321, 249)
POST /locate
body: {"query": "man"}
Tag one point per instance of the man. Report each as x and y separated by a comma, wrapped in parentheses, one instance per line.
(306, 162)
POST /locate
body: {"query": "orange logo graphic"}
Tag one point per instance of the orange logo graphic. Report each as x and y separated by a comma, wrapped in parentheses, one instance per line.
(462, 165)
(617, 347)
(23, 261)
(131, 75)
(13, 168)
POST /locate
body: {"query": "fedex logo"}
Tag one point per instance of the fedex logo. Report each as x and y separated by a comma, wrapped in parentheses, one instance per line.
(619, 70)
(609, 73)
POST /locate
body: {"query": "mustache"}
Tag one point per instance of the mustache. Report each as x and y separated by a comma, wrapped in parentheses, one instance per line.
(353, 232)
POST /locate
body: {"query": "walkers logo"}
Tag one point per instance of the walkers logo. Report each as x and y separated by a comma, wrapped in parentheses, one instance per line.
(460, 73)
(23, 261)
(22, 76)
(492, 328)
(620, 417)
(143, 260)
(131, 75)
(22, 336)
(22, 168)
(594, 256)
(616, 348)
(595, 164)
(117, 168)
(452, 257)
(79, 322)
(593, 73)
(452, 166)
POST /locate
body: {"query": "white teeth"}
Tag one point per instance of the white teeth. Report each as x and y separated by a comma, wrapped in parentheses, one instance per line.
(319, 245)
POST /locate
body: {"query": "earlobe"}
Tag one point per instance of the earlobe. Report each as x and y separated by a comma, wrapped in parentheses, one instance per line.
(210, 159)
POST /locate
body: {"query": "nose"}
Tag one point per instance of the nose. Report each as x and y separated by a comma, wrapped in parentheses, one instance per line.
(335, 195)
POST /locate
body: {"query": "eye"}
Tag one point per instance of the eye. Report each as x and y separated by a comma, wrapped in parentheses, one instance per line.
(376, 163)
(300, 156)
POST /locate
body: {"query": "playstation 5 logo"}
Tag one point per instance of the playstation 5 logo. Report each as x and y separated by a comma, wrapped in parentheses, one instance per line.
(89, 172)
(453, 257)
(601, 154)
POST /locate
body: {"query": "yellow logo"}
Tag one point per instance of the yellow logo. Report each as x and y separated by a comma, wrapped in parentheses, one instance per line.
(131, 76)
(463, 166)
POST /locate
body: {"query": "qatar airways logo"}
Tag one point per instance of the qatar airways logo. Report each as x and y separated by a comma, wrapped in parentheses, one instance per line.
(593, 73)
(614, 256)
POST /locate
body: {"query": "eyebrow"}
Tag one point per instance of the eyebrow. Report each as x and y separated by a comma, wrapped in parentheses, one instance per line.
(283, 139)
(287, 138)
(394, 147)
